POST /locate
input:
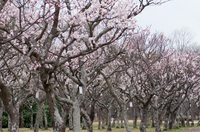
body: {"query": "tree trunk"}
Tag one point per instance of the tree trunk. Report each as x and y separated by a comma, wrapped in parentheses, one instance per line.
(103, 122)
(99, 124)
(124, 115)
(144, 119)
(117, 126)
(182, 122)
(192, 117)
(188, 123)
(64, 115)
(55, 115)
(71, 118)
(172, 120)
(122, 122)
(87, 120)
(9, 123)
(113, 123)
(38, 117)
(165, 127)
(45, 118)
(41, 121)
(21, 117)
(31, 118)
(109, 128)
(76, 117)
(13, 110)
(15, 123)
(92, 111)
(182, 119)
(157, 119)
(152, 118)
(1, 114)
(135, 117)
(84, 124)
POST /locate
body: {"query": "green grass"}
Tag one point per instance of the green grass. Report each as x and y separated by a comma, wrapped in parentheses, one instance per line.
(95, 128)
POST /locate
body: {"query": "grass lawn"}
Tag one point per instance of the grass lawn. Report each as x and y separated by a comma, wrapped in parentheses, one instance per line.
(95, 125)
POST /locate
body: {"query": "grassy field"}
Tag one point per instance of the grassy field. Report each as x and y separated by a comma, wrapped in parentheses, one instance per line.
(149, 129)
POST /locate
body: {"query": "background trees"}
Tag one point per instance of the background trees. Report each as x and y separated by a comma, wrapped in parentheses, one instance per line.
(73, 55)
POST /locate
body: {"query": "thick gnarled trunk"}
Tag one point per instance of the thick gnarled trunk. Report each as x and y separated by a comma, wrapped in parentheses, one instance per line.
(57, 120)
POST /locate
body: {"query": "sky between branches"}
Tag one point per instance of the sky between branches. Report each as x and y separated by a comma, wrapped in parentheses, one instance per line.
(173, 15)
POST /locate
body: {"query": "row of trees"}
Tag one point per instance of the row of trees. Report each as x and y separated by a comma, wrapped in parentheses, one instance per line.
(86, 56)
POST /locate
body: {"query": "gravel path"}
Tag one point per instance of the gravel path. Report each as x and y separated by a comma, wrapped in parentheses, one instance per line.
(193, 130)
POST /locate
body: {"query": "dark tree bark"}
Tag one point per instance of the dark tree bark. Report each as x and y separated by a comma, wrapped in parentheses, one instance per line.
(122, 122)
(64, 115)
(70, 118)
(109, 128)
(99, 119)
(144, 119)
(165, 127)
(158, 121)
(31, 117)
(21, 117)
(84, 124)
(172, 120)
(1, 114)
(103, 122)
(135, 117)
(152, 119)
(187, 120)
(117, 126)
(45, 118)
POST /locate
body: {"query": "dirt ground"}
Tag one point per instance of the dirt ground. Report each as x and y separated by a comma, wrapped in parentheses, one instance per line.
(193, 130)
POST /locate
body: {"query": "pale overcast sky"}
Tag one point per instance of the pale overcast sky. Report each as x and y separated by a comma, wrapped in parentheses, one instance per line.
(173, 15)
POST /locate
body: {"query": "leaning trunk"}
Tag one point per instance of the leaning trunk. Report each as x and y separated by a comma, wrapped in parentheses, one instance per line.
(124, 115)
(55, 115)
(83, 124)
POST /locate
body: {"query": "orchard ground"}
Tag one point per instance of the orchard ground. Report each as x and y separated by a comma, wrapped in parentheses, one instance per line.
(95, 126)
